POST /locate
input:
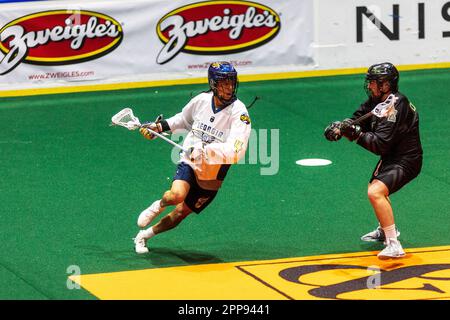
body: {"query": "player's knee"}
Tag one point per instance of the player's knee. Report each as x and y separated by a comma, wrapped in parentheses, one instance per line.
(173, 197)
(374, 194)
(177, 197)
(377, 191)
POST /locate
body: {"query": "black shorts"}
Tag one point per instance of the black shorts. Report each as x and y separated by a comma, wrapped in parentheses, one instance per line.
(393, 175)
(197, 198)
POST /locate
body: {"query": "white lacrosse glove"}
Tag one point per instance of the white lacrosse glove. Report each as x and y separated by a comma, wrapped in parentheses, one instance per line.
(155, 126)
(147, 133)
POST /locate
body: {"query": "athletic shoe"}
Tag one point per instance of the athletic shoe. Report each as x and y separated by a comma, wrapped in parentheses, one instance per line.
(140, 243)
(146, 217)
(393, 250)
(377, 235)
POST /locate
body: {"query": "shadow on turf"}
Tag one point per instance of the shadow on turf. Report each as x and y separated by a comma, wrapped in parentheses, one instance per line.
(156, 256)
(160, 256)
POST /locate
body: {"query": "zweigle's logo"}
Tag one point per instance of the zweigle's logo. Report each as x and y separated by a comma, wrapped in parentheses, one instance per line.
(216, 27)
(57, 37)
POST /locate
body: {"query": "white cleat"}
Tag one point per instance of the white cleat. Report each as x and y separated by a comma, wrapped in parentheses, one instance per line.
(393, 250)
(140, 243)
(146, 217)
(377, 235)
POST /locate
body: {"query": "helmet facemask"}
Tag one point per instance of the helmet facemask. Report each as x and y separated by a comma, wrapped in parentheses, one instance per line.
(218, 87)
(221, 74)
(381, 73)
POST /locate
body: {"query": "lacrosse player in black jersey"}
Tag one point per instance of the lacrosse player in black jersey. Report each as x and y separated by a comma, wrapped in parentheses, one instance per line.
(395, 138)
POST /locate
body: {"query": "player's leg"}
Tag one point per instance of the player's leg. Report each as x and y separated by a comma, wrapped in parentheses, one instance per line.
(378, 194)
(174, 196)
(196, 198)
(167, 223)
(171, 220)
(378, 233)
(382, 184)
(387, 179)
(181, 186)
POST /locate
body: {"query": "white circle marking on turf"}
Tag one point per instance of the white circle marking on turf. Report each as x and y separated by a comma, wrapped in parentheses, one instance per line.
(313, 162)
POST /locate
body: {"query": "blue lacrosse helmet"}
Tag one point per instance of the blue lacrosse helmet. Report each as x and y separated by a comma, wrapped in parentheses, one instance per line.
(222, 70)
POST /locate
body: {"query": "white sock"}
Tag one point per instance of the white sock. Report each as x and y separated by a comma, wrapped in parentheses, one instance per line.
(390, 232)
(148, 233)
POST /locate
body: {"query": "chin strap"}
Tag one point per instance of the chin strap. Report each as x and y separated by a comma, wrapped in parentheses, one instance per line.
(226, 103)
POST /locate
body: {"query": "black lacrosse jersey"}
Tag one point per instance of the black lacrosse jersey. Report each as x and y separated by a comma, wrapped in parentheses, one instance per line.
(395, 137)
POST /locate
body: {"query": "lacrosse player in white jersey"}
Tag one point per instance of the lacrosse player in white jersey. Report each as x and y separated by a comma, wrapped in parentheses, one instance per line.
(218, 128)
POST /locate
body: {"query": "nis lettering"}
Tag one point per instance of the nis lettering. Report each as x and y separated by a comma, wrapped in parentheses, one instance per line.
(394, 34)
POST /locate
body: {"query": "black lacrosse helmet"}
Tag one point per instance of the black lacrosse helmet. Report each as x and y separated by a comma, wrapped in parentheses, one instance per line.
(222, 70)
(381, 72)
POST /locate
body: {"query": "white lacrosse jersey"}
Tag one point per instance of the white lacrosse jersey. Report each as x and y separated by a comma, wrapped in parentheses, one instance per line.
(222, 135)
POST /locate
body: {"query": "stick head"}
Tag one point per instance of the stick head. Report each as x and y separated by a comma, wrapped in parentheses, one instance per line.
(383, 108)
(126, 118)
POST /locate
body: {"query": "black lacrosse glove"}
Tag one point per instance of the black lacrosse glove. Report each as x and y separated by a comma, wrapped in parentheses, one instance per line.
(349, 130)
(332, 131)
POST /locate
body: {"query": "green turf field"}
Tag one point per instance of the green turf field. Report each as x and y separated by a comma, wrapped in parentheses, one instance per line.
(72, 187)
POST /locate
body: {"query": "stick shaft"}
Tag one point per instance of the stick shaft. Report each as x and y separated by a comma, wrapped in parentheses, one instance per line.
(362, 118)
(167, 140)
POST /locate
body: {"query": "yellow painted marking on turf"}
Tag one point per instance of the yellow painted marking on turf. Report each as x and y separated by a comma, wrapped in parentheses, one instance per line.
(262, 279)
(212, 281)
(242, 78)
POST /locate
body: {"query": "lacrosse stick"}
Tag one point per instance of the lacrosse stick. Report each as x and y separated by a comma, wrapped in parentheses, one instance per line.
(381, 110)
(125, 118)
